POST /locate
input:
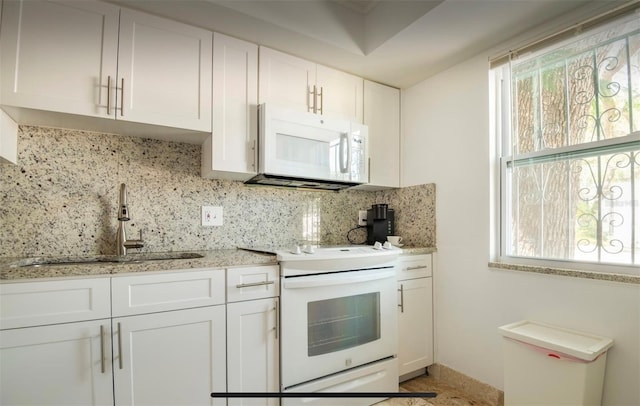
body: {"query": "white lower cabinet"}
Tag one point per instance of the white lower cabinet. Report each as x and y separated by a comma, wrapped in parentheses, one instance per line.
(415, 313)
(148, 339)
(252, 333)
(62, 364)
(252, 350)
(170, 358)
(55, 345)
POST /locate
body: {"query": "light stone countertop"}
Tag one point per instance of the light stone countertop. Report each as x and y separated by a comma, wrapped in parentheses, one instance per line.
(418, 250)
(13, 269)
(18, 269)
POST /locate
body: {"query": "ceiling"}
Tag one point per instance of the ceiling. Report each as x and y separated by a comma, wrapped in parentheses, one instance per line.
(397, 42)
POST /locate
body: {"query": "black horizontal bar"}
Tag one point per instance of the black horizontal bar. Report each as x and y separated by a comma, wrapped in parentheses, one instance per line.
(323, 395)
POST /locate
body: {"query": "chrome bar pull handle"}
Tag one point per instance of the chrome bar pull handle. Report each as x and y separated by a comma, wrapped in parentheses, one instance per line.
(109, 95)
(315, 99)
(401, 305)
(321, 95)
(122, 99)
(254, 154)
(248, 285)
(102, 366)
(277, 317)
(413, 268)
(119, 346)
(310, 102)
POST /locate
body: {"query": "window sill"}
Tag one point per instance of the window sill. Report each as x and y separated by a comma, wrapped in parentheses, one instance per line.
(605, 276)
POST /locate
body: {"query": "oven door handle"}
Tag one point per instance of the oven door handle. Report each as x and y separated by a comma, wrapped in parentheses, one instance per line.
(336, 279)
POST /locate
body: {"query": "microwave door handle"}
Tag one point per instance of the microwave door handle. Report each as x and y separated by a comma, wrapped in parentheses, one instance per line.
(344, 139)
(349, 143)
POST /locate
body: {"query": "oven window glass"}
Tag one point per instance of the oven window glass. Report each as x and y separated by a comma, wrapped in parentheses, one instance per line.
(344, 322)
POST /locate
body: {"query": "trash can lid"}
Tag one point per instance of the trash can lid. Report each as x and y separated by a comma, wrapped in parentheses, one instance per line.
(581, 345)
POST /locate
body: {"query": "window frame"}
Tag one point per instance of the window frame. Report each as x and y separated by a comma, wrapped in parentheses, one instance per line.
(500, 80)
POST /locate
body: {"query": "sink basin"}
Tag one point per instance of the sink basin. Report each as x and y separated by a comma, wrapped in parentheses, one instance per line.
(132, 258)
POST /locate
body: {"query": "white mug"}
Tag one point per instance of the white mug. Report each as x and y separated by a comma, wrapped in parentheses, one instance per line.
(394, 239)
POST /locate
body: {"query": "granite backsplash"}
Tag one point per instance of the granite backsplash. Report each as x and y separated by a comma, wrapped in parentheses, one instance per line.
(61, 197)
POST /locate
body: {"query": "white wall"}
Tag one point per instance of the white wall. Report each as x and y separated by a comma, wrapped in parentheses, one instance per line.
(446, 140)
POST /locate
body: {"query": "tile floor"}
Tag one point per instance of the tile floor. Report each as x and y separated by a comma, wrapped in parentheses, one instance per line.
(447, 395)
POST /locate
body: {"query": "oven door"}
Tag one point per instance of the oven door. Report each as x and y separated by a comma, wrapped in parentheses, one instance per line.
(333, 322)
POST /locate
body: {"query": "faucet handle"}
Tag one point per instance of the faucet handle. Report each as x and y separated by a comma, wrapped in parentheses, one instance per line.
(140, 235)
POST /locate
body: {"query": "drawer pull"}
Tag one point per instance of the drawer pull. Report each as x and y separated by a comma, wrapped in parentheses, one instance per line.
(109, 95)
(401, 305)
(122, 99)
(248, 285)
(413, 268)
(102, 368)
(277, 317)
(119, 346)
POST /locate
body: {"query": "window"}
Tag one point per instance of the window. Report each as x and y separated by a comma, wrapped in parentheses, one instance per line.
(570, 149)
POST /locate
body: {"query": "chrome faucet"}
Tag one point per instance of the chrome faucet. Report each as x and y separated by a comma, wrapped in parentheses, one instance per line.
(123, 215)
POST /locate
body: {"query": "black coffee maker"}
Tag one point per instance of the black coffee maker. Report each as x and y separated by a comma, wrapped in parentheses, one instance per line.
(380, 223)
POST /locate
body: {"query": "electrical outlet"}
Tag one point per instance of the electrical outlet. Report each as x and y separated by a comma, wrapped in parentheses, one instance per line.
(362, 217)
(211, 216)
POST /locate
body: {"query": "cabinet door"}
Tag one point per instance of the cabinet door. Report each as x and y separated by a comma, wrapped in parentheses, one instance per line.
(8, 139)
(285, 80)
(63, 364)
(342, 94)
(230, 152)
(57, 55)
(170, 358)
(415, 325)
(164, 72)
(252, 349)
(382, 115)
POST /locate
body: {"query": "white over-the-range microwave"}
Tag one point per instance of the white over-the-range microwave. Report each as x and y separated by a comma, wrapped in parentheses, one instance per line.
(299, 149)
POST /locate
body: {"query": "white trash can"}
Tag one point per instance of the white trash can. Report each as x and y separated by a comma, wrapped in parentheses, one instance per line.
(548, 365)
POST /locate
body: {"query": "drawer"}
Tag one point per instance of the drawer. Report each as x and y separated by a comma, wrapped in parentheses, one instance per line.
(26, 304)
(414, 266)
(162, 292)
(256, 282)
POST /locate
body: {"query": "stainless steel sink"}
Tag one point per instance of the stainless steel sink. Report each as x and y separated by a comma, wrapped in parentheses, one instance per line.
(128, 259)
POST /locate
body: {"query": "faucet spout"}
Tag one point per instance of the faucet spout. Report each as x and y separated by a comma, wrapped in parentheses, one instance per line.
(123, 216)
(123, 210)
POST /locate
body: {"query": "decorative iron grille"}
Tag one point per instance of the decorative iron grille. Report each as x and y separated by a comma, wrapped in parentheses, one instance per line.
(573, 174)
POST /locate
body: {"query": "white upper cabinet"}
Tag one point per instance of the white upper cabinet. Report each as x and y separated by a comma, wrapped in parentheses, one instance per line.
(164, 72)
(8, 139)
(57, 55)
(341, 94)
(382, 116)
(230, 151)
(302, 85)
(95, 59)
(286, 80)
